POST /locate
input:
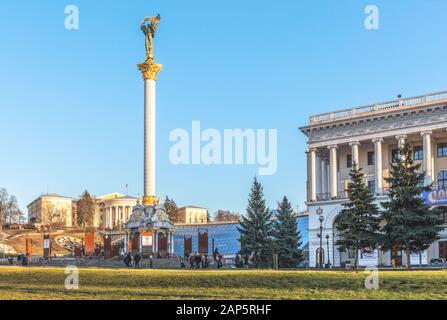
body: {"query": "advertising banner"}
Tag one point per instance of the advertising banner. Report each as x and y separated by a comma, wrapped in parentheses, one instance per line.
(435, 197)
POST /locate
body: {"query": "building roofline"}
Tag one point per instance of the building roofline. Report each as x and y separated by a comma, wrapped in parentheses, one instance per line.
(376, 108)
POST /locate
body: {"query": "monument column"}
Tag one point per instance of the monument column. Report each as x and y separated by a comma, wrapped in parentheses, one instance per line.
(149, 70)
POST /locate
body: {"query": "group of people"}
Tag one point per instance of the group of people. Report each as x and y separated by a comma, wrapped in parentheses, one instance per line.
(198, 261)
(242, 261)
(202, 261)
(132, 260)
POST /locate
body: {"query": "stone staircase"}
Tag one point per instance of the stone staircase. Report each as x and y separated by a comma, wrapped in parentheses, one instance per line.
(169, 263)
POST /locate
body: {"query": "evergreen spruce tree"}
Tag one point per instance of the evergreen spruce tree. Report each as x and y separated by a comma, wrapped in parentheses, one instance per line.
(256, 229)
(409, 223)
(85, 210)
(171, 209)
(358, 223)
(287, 236)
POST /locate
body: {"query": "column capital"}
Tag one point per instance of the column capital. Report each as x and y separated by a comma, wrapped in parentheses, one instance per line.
(150, 69)
(426, 133)
(377, 140)
(354, 143)
(401, 136)
(333, 146)
(312, 149)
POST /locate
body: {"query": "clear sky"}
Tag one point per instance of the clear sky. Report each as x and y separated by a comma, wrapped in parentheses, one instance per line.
(71, 102)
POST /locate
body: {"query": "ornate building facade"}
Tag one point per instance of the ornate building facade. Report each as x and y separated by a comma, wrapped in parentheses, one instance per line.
(370, 136)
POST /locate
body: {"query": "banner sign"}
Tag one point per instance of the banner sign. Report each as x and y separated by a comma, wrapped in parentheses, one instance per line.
(89, 243)
(368, 257)
(46, 247)
(435, 197)
(147, 241)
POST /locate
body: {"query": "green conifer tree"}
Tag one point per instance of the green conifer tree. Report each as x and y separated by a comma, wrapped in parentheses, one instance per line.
(358, 224)
(287, 236)
(410, 225)
(256, 229)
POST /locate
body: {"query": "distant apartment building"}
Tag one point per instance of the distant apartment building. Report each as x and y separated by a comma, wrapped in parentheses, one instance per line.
(51, 208)
(192, 215)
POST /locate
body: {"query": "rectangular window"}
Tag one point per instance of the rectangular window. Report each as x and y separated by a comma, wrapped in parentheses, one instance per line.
(442, 150)
(349, 161)
(418, 153)
(371, 159)
(372, 186)
(395, 155)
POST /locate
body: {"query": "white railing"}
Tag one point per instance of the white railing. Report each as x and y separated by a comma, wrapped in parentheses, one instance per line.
(379, 107)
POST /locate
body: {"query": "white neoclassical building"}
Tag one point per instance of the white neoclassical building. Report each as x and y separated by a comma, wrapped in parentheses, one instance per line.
(370, 136)
(115, 209)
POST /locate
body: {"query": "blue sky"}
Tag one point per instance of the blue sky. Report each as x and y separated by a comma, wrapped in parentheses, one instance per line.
(71, 102)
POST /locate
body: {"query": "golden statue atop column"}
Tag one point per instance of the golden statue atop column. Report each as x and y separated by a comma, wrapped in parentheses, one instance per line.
(150, 68)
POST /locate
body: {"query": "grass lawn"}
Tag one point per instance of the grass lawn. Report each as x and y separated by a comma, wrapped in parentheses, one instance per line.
(48, 283)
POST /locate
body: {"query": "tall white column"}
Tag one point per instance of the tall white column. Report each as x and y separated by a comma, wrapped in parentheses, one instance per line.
(109, 217)
(104, 218)
(149, 137)
(155, 244)
(324, 176)
(378, 165)
(355, 153)
(334, 171)
(116, 216)
(126, 243)
(426, 137)
(313, 174)
(318, 173)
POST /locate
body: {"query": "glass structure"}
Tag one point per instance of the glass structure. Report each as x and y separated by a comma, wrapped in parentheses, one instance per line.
(223, 236)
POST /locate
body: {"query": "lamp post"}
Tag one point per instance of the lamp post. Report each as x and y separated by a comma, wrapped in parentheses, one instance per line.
(320, 254)
(328, 258)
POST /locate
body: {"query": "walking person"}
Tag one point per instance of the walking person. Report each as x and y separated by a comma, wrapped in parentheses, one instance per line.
(191, 260)
(137, 259)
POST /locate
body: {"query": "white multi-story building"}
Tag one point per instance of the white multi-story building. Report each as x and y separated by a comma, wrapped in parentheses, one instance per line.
(370, 136)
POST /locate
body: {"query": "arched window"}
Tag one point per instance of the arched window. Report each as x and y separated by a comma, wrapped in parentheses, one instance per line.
(442, 179)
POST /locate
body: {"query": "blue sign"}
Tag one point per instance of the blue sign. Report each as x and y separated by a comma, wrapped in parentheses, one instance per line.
(435, 197)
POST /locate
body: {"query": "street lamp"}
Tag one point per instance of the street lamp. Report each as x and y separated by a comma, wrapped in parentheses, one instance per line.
(328, 259)
(321, 218)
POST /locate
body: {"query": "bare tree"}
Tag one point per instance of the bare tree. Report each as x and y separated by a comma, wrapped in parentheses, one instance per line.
(13, 212)
(53, 217)
(226, 215)
(4, 197)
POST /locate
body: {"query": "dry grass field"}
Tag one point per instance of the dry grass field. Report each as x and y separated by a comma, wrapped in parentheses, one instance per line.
(48, 283)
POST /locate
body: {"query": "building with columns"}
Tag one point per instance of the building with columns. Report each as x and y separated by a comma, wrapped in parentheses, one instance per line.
(115, 209)
(370, 136)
